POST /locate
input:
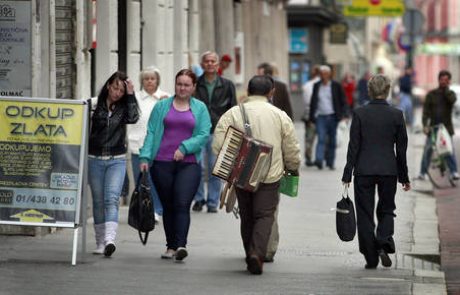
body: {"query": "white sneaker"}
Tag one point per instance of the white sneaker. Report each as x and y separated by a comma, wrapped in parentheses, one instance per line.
(99, 250)
(421, 177)
(455, 176)
(169, 254)
(157, 218)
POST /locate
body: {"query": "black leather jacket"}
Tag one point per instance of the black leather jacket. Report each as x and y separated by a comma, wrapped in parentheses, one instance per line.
(108, 132)
(223, 98)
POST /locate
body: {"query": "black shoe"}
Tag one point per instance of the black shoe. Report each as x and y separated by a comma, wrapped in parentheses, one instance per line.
(181, 253)
(332, 168)
(384, 258)
(212, 210)
(254, 265)
(309, 163)
(319, 165)
(198, 206)
(109, 249)
(369, 266)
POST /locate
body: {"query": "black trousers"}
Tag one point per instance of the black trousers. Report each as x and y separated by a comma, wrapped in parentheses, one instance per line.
(370, 240)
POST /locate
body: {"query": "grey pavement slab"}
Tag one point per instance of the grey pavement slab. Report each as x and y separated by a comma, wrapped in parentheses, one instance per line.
(310, 259)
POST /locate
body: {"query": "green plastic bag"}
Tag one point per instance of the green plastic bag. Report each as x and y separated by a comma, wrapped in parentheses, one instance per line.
(289, 184)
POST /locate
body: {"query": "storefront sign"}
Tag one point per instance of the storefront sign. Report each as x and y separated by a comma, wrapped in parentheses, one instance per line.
(15, 48)
(373, 7)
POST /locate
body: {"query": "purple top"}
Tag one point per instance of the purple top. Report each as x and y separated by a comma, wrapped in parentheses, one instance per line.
(178, 127)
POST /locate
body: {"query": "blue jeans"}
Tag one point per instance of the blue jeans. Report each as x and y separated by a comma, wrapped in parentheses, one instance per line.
(106, 181)
(405, 105)
(214, 183)
(428, 150)
(176, 183)
(153, 192)
(326, 129)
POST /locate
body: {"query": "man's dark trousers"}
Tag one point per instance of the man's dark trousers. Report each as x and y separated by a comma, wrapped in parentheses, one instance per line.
(369, 240)
(257, 212)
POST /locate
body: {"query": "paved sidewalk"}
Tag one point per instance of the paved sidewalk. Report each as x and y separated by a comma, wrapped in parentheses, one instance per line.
(310, 260)
(448, 208)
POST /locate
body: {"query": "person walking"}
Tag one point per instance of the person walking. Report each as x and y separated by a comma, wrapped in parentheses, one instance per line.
(282, 100)
(327, 108)
(147, 97)
(363, 95)
(219, 95)
(349, 86)
(405, 95)
(115, 107)
(437, 109)
(307, 91)
(377, 157)
(271, 125)
(177, 131)
(224, 64)
(281, 97)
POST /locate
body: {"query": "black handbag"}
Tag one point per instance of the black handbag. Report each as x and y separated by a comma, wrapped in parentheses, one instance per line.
(345, 219)
(141, 214)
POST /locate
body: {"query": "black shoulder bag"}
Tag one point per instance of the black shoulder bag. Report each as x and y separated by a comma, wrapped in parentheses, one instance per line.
(141, 214)
(345, 217)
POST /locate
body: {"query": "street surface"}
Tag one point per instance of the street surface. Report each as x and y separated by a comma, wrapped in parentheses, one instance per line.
(310, 260)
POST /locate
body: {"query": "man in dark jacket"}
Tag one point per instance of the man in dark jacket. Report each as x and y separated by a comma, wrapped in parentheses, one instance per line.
(219, 96)
(437, 109)
(327, 108)
(376, 129)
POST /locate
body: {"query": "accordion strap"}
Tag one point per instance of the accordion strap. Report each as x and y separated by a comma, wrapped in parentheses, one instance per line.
(246, 124)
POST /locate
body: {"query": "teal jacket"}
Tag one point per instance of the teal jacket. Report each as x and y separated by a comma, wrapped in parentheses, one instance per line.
(155, 130)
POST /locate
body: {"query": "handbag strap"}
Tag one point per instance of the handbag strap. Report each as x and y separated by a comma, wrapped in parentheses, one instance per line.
(345, 191)
(246, 124)
(143, 239)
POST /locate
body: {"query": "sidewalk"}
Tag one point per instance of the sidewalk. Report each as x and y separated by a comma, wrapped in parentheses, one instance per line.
(310, 260)
(448, 208)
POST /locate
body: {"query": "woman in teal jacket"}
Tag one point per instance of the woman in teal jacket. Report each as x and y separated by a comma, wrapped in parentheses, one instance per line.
(177, 130)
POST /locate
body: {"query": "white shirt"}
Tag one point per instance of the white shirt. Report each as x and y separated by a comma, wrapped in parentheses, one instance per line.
(138, 131)
(307, 91)
(325, 104)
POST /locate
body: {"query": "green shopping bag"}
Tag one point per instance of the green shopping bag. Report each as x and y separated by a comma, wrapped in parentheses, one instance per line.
(289, 184)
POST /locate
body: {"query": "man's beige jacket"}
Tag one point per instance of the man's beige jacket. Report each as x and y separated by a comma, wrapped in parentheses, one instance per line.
(268, 124)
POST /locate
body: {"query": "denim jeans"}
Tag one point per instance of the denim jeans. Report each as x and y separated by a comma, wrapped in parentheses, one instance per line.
(405, 105)
(176, 183)
(214, 183)
(153, 192)
(106, 181)
(426, 157)
(326, 129)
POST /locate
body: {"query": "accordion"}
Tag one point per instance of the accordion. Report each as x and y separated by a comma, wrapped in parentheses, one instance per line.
(243, 161)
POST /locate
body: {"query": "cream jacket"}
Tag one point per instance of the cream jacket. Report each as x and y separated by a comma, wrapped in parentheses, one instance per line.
(268, 124)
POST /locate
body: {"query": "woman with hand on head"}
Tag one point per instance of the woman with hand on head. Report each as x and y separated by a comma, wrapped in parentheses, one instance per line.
(149, 95)
(177, 130)
(116, 107)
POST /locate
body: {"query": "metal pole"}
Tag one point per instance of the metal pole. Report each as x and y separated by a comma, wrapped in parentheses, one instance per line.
(75, 245)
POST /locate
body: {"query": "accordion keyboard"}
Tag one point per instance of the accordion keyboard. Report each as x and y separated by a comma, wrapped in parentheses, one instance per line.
(230, 148)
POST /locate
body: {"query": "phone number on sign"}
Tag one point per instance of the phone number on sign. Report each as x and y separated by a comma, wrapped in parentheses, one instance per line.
(44, 200)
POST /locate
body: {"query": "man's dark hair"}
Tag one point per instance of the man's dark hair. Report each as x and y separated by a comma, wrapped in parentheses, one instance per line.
(444, 73)
(268, 68)
(260, 85)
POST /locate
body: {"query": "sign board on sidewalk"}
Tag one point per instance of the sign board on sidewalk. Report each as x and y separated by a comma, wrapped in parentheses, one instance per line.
(373, 8)
(42, 152)
(15, 48)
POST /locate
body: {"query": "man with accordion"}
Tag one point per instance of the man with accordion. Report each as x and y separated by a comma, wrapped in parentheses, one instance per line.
(262, 125)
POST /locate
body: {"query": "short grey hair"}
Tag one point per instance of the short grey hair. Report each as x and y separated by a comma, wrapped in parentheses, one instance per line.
(379, 86)
(150, 71)
(325, 68)
(209, 53)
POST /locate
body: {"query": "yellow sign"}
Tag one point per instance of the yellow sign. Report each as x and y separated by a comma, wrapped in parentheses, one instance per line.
(38, 122)
(374, 8)
(32, 216)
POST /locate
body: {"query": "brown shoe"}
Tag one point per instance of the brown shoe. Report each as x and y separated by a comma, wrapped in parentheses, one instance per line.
(254, 265)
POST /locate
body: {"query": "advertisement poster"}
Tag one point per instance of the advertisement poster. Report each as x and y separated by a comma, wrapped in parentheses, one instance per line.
(41, 159)
(15, 48)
